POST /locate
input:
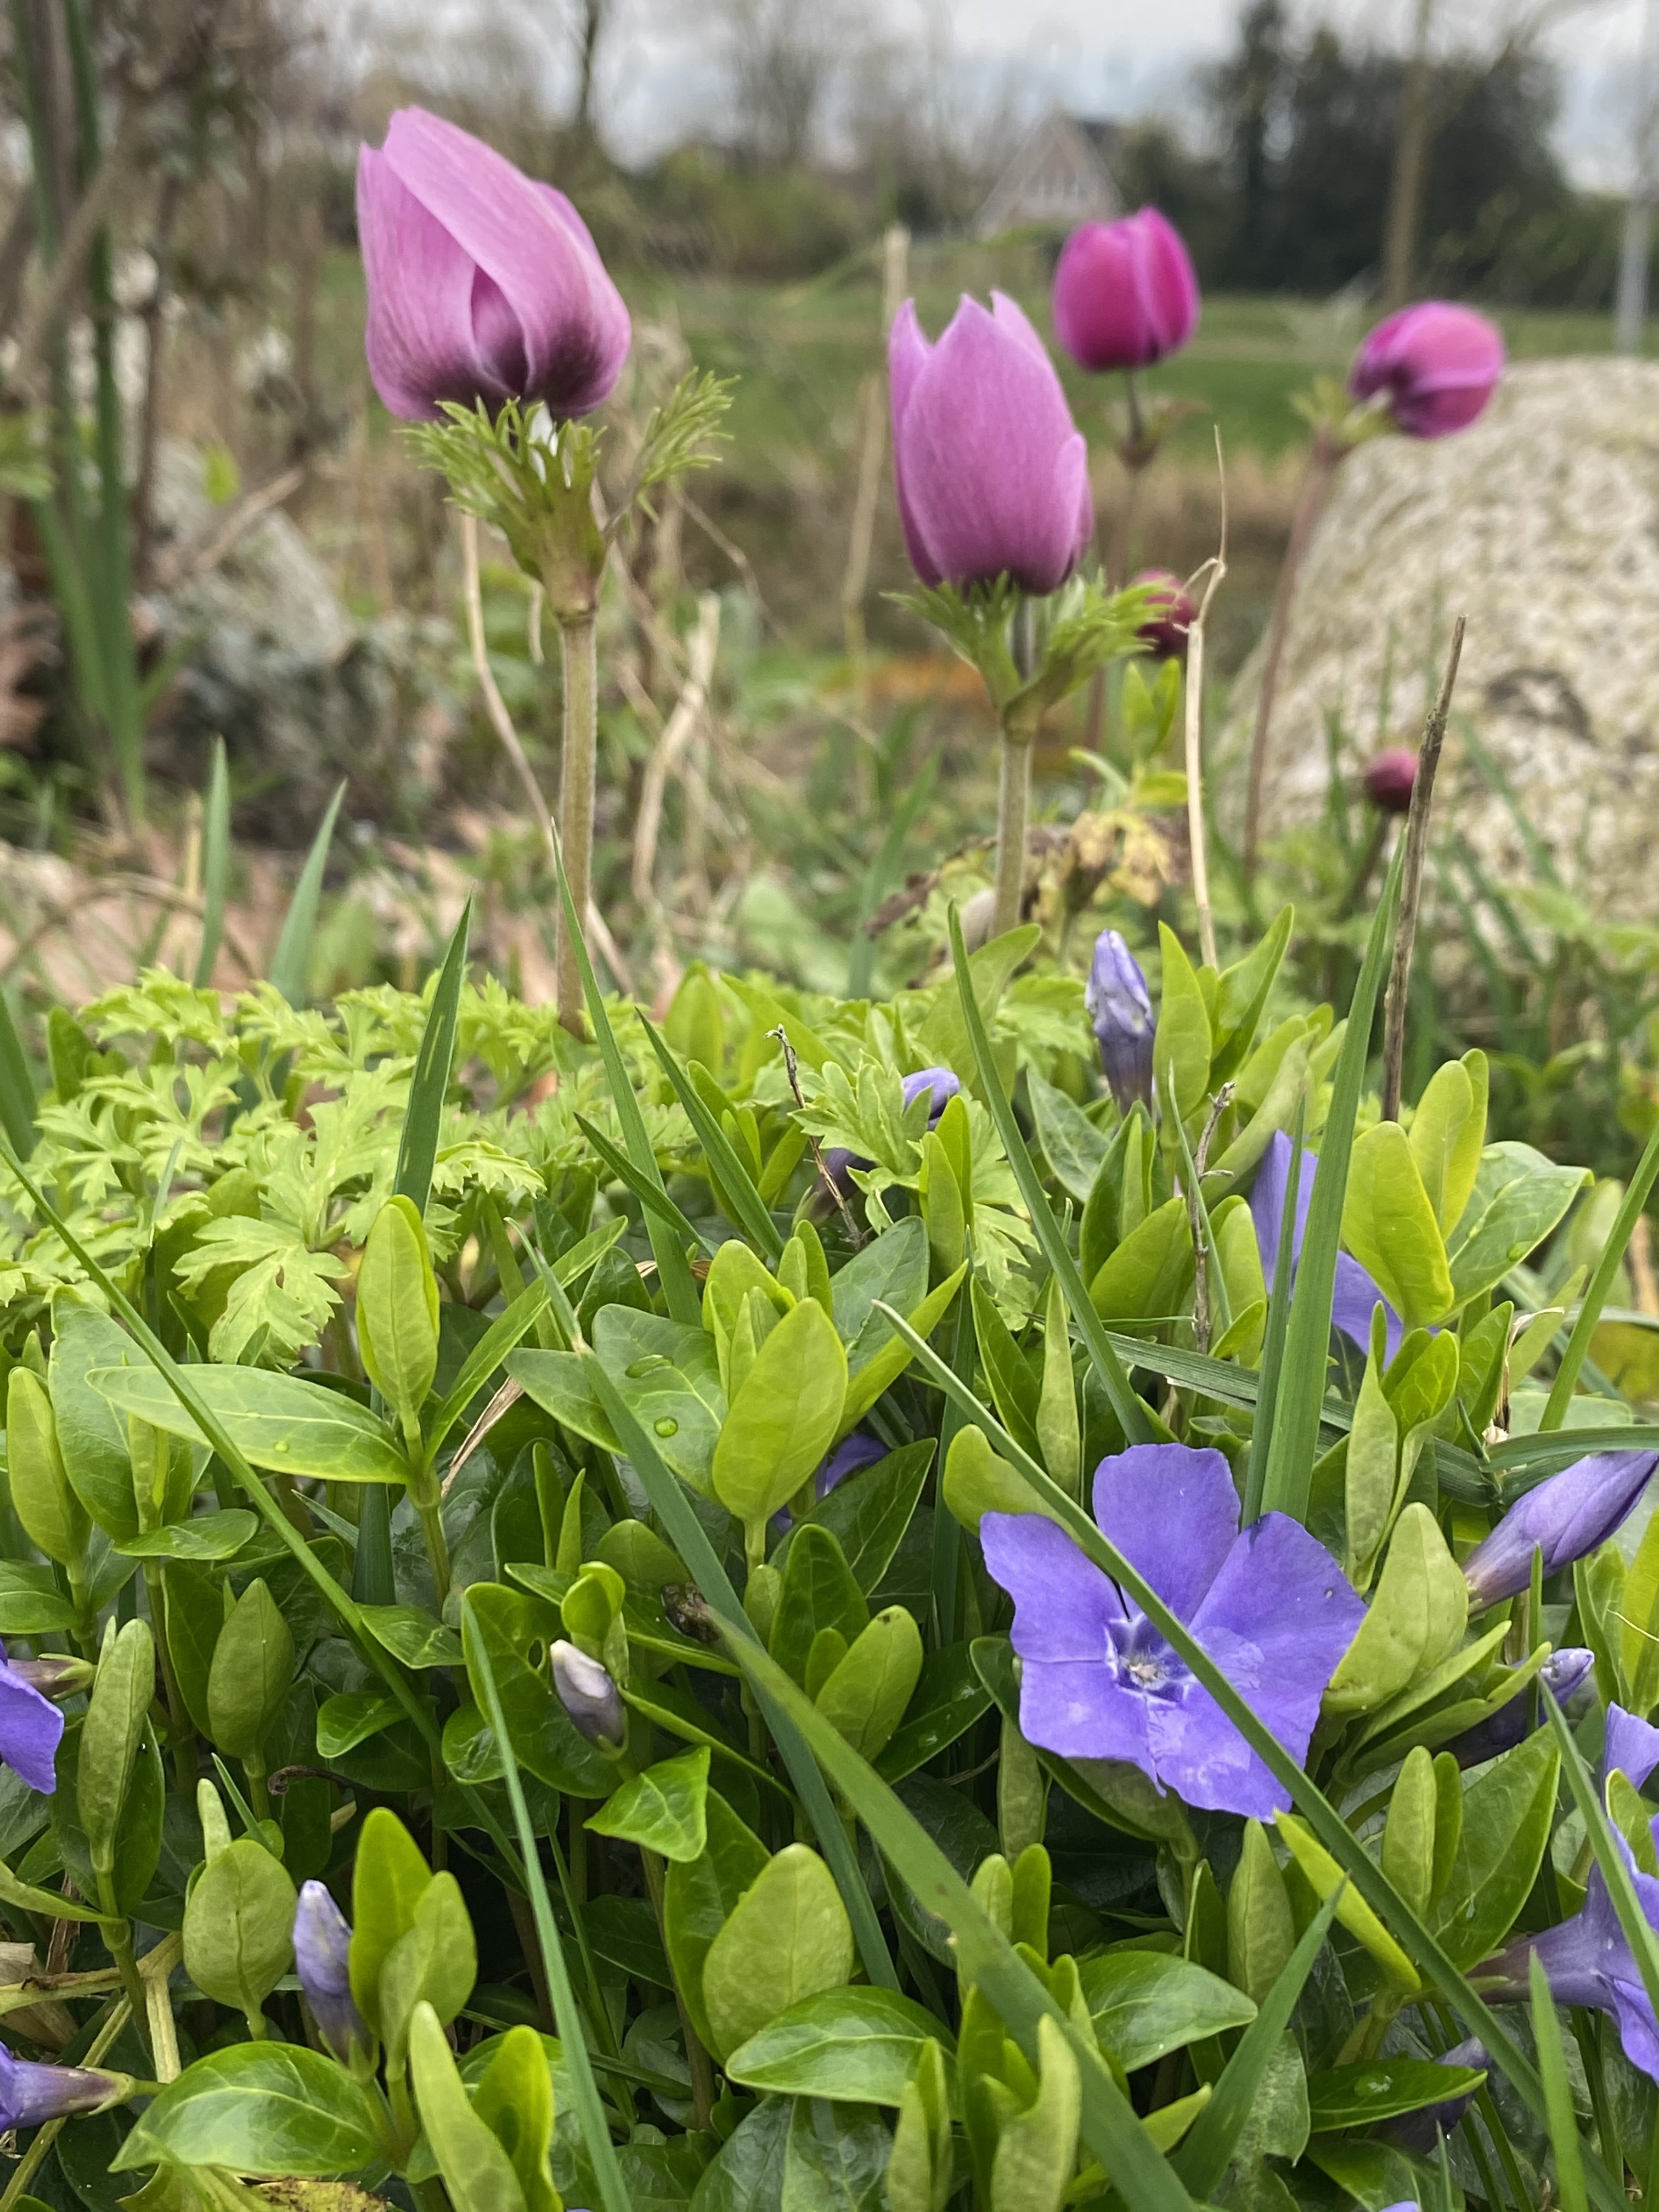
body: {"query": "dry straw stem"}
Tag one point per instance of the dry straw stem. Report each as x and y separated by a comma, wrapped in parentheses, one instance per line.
(690, 709)
(1195, 731)
(1417, 846)
(502, 723)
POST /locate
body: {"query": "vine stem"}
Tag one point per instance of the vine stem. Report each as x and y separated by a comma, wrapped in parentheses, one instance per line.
(1411, 888)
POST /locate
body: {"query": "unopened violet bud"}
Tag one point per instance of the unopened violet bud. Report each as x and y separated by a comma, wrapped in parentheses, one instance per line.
(1165, 630)
(991, 471)
(1125, 292)
(941, 1084)
(589, 1696)
(1437, 365)
(1564, 1675)
(1120, 1008)
(1390, 780)
(1564, 1517)
(30, 2093)
(55, 1674)
(483, 283)
(322, 1958)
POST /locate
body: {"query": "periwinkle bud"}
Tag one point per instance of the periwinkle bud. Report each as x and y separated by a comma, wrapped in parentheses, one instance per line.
(589, 1696)
(322, 1956)
(1120, 1008)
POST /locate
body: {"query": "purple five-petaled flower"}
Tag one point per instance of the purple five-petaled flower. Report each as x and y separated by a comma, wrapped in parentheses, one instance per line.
(483, 283)
(1588, 1962)
(31, 1726)
(1564, 1675)
(1269, 1606)
(1630, 1745)
(30, 2092)
(1435, 364)
(1354, 1296)
(992, 474)
(1566, 1516)
(322, 1956)
(1119, 1009)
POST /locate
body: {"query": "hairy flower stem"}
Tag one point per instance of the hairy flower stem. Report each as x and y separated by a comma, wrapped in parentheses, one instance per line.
(1321, 467)
(1013, 812)
(577, 777)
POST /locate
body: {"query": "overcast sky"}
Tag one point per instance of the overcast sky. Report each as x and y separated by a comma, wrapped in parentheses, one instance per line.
(1121, 58)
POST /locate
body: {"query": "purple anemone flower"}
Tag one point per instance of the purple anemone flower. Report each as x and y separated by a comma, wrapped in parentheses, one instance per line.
(1437, 364)
(1270, 1607)
(1588, 1962)
(1354, 1296)
(1120, 1009)
(1632, 1746)
(30, 2093)
(992, 474)
(1564, 1516)
(1564, 1675)
(31, 1726)
(483, 283)
(1126, 294)
(322, 1955)
(941, 1084)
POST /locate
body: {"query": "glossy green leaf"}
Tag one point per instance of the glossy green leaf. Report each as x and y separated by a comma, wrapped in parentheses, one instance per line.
(1181, 1047)
(276, 1421)
(478, 2172)
(786, 1938)
(239, 1926)
(91, 1436)
(415, 1638)
(700, 1895)
(663, 1810)
(1381, 2089)
(1449, 1134)
(517, 1630)
(210, 1536)
(783, 1418)
(1389, 1225)
(251, 1670)
(1073, 1147)
(398, 1309)
(1150, 1274)
(1507, 1813)
(1519, 1197)
(259, 2108)
(854, 2045)
(865, 1694)
(1144, 2003)
(948, 1698)
(869, 1512)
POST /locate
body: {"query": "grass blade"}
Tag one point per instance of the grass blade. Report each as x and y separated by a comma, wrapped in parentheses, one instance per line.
(1609, 1856)
(673, 1269)
(596, 2134)
(417, 1152)
(1120, 1391)
(722, 1154)
(1202, 2158)
(1295, 1439)
(881, 871)
(1600, 1282)
(216, 865)
(1145, 2178)
(1272, 1342)
(687, 1535)
(651, 1197)
(17, 1099)
(1565, 2140)
(290, 963)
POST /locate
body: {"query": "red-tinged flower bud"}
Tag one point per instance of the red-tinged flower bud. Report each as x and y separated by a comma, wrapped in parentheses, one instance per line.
(1438, 363)
(482, 283)
(1125, 292)
(991, 471)
(1390, 779)
(1165, 629)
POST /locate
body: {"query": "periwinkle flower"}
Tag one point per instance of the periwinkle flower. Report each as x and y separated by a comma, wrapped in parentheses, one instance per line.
(1165, 631)
(1564, 1675)
(1354, 1296)
(1390, 779)
(31, 1726)
(1564, 1516)
(1630, 1745)
(483, 282)
(322, 1957)
(1588, 1962)
(1269, 1605)
(1119, 1009)
(30, 2093)
(941, 1084)
(589, 1696)
(1438, 363)
(991, 471)
(1125, 292)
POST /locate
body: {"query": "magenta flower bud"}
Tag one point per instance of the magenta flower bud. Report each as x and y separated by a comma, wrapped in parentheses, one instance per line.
(1564, 1516)
(483, 282)
(1390, 780)
(322, 1958)
(991, 472)
(1438, 364)
(30, 2093)
(589, 1696)
(1118, 1005)
(1125, 294)
(1165, 631)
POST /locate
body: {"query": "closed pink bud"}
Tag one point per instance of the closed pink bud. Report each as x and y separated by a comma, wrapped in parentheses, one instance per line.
(482, 283)
(1438, 363)
(1165, 631)
(1125, 292)
(992, 474)
(1390, 779)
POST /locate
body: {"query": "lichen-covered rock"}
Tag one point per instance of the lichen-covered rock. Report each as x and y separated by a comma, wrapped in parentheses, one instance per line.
(1540, 525)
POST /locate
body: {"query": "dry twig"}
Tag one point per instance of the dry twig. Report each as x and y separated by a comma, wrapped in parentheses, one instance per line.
(1195, 731)
(1411, 890)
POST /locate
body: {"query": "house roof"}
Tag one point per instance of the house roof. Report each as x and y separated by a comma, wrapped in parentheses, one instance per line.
(1058, 176)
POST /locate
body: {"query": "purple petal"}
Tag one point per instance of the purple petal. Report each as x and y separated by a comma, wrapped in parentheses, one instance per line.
(419, 337)
(1439, 363)
(1173, 1513)
(908, 353)
(31, 1729)
(1355, 1297)
(1632, 1746)
(1353, 1294)
(1070, 1700)
(941, 1084)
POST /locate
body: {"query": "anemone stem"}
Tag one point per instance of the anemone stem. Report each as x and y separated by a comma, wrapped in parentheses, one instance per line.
(576, 780)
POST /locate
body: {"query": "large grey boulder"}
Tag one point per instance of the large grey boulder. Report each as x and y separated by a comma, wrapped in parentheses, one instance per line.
(1541, 526)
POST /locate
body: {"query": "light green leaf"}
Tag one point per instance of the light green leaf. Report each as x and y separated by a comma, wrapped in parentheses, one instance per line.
(259, 2108)
(663, 1810)
(854, 2045)
(1389, 1225)
(1145, 2003)
(276, 1421)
